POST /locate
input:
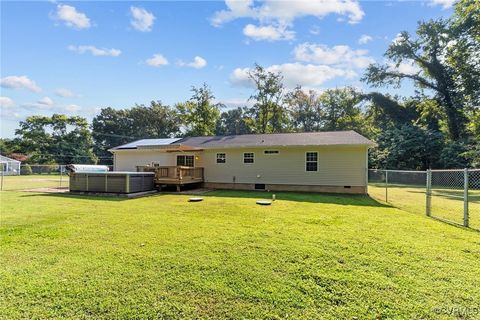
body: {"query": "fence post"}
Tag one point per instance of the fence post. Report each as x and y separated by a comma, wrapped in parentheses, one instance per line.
(428, 206)
(1, 185)
(386, 185)
(61, 175)
(465, 197)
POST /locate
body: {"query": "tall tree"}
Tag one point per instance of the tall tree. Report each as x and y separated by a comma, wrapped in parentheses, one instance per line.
(342, 109)
(407, 147)
(463, 53)
(200, 114)
(154, 121)
(110, 128)
(232, 122)
(305, 110)
(267, 113)
(387, 111)
(9, 146)
(446, 55)
(56, 139)
(113, 127)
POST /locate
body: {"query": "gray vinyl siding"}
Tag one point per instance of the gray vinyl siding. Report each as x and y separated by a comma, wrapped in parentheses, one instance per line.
(337, 166)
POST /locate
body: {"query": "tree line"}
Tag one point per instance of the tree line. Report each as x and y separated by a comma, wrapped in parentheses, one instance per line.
(436, 127)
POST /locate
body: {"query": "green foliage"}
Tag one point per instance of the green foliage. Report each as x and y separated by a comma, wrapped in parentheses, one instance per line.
(386, 111)
(268, 114)
(341, 110)
(199, 115)
(9, 146)
(454, 155)
(56, 139)
(305, 109)
(232, 122)
(407, 147)
(332, 110)
(446, 55)
(114, 127)
(25, 169)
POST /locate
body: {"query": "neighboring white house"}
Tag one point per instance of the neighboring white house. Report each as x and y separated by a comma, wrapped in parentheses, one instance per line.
(9, 167)
(318, 161)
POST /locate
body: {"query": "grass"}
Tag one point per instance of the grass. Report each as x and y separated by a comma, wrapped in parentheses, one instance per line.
(307, 256)
(446, 203)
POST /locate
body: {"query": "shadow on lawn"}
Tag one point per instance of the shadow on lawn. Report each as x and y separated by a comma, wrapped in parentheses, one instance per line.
(75, 196)
(330, 198)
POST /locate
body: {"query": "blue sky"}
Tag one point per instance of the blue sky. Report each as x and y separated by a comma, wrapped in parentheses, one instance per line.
(77, 57)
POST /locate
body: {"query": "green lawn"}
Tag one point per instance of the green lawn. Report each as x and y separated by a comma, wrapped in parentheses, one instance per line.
(413, 199)
(306, 256)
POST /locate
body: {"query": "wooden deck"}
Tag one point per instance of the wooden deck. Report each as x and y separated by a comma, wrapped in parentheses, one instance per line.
(174, 175)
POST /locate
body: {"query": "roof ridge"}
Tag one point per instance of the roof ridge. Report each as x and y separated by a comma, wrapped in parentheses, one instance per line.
(315, 138)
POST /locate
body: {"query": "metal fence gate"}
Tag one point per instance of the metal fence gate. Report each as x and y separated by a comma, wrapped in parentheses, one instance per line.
(449, 195)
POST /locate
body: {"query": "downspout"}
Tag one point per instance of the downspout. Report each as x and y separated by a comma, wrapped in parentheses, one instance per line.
(366, 171)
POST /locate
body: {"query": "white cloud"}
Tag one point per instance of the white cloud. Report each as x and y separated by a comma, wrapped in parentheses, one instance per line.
(444, 3)
(398, 39)
(46, 101)
(308, 75)
(62, 92)
(95, 51)
(269, 33)
(407, 67)
(72, 108)
(19, 82)
(197, 63)
(285, 12)
(6, 103)
(364, 39)
(142, 19)
(157, 60)
(72, 18)
(340, 55)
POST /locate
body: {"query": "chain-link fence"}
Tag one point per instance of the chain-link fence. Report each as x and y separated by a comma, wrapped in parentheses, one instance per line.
(32, 177)
(449, 195)
(35, 177)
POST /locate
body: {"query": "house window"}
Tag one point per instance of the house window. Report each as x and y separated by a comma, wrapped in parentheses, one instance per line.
(270, 152)
(186, 161)
(311, 161)
(221, 157)
(248, 157)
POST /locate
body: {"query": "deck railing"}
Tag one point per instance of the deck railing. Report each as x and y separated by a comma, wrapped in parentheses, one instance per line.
(180, 173)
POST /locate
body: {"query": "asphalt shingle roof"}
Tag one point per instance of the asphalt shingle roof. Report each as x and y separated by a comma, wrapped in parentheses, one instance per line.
(259, 140)
(278, 140)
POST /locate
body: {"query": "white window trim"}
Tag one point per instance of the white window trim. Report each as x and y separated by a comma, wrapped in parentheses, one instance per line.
(216, 158)
(305, 163)
(248, 163)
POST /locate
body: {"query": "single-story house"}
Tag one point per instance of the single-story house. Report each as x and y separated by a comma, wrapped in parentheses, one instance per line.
(314, 161)
(9, 166)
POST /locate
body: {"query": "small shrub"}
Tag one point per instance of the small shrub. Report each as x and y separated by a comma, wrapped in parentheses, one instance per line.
(26, 170)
